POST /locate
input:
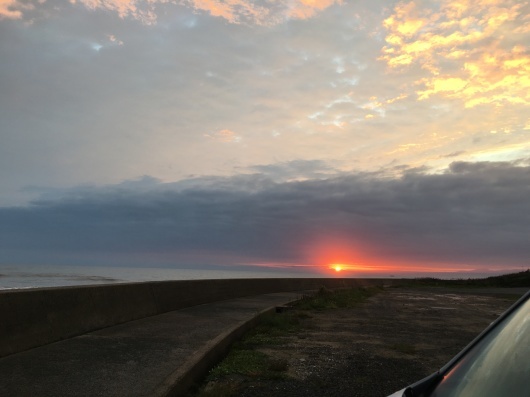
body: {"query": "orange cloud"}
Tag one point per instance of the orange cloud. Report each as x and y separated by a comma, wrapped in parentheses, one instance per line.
(403, 20)
(466, 49)
(231, 10)
(496, 77)
(142, 11)
(225, 136)
(245, 11)
(303, 9)
(234, 11)
(12, 9)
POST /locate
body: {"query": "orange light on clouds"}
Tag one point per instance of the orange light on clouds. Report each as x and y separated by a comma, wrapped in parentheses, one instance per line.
(8, 9)
(377, 268)
(343, 257)
(483, 68)
(233, 11)
(332, 250)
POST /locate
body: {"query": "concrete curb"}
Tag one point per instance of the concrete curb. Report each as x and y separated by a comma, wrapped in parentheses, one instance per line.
(195, 369)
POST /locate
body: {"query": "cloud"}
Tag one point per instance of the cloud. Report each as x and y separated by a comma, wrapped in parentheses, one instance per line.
(78, 106)
(13, 9)
(143, 11)
(473, 214)
(468, 50)
(453, 154)
(167, 86)
(248, 12)
(296, 170)
(303, 9)
(225, 136)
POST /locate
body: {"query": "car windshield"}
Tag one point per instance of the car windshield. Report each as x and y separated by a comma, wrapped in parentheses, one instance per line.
(498, 365)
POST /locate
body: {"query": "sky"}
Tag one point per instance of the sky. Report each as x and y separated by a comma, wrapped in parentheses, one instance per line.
(385, 136)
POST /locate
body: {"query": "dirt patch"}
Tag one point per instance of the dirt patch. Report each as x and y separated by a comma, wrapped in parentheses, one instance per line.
(393, 339)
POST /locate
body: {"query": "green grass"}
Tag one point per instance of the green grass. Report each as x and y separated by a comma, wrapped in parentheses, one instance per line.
(271, 327)
(246, 360)
(251, 363)
(343, 298)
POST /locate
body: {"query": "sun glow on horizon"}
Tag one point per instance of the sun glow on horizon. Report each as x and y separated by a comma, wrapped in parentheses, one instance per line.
(375, 269)
(341, 267)
(338, 256)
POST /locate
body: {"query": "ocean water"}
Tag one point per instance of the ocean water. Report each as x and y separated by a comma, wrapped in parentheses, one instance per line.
(15, 277)
(24, 276)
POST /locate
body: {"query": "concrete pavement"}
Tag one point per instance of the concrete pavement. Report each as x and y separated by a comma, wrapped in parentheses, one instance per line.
(155, 356)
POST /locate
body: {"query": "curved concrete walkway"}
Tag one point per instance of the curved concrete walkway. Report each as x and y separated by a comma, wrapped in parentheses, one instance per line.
(156, 356)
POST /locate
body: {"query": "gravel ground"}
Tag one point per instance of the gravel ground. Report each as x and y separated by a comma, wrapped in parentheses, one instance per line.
(393, 339)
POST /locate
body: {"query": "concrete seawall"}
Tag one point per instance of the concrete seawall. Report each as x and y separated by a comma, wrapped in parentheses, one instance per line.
(35, 317)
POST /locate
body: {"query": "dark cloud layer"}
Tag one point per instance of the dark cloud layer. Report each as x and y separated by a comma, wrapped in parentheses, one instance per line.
(475, 213)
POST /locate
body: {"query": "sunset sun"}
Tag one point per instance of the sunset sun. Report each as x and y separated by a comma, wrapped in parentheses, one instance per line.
(338, 267)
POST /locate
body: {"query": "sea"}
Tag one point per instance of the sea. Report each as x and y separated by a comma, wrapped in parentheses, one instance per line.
(40, 276)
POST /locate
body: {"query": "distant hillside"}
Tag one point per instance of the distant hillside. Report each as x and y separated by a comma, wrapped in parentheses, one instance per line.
(521, 279)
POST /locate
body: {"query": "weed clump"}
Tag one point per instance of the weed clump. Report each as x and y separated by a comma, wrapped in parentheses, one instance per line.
(328, 299)
(252, 363)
